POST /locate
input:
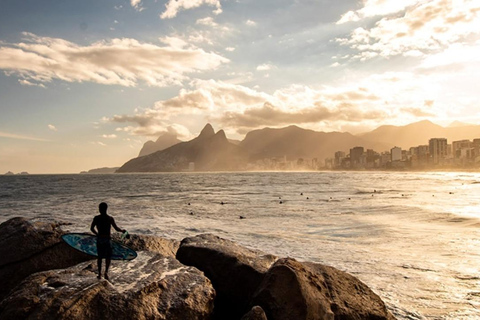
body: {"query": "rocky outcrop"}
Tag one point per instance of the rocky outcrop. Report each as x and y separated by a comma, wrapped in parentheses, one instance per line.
(294, 290)
(256, 313)
(166, 247)
(236, 282)
(31, 247)
(235, 271)
(150, 287)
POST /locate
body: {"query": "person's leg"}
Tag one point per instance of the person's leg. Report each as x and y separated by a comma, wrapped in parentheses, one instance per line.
(99, 265)
(107, 265)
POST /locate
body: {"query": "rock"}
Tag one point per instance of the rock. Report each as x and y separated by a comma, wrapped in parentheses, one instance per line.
(150, 287)
(256, 313)
(235, 271)
(31, 247)
(166, 247)
(294, 290)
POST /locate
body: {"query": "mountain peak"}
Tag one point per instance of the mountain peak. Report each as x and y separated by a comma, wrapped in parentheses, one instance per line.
(207, 131)
(221, 134)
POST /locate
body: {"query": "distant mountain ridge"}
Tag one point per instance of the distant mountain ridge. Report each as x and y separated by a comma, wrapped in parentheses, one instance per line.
(164, 141)
(213, 151)
(295, 142)
(419, 133)
(209, 151)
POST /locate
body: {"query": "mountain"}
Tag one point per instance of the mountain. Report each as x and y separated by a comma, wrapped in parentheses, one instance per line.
(164, 141)
(209, 151)
(456, 124)
(419, 133)
(294, 142)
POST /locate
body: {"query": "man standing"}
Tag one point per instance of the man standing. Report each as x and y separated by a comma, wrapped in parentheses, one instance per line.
(104, 222)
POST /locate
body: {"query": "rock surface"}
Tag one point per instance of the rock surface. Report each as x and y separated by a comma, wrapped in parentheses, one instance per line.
(150, 287)
(166, 247)
(294, 290)
(235, 271)
(31, 247)
(256, 313)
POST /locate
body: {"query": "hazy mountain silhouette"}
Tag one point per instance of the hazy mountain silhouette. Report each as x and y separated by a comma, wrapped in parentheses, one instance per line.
(213, 151)
(419, 133)
(456, 124)
(294, 142)
(209, 151)
(164, 141)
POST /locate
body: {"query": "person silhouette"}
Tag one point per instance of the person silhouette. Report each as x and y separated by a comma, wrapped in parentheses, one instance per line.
(103, 222)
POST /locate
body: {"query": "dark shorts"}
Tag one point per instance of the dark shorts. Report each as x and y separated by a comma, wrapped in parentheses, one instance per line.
(104, 248)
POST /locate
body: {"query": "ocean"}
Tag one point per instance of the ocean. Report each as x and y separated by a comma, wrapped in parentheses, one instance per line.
(414, 238)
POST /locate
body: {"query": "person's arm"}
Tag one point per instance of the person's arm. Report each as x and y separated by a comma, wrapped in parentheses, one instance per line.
(92, 227)
(114, 225)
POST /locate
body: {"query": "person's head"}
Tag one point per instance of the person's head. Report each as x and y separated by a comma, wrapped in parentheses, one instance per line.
(102, 207)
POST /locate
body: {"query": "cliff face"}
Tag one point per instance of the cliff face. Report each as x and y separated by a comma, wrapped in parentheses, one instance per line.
(209, 151)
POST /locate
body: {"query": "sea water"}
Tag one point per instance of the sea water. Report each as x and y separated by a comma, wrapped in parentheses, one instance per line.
(412, 237)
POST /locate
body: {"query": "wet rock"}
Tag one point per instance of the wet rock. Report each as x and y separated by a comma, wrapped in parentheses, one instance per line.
(294, 290)
(235, 271)
(256, 313)
(31, 247)
(150, 287)
(166, 247)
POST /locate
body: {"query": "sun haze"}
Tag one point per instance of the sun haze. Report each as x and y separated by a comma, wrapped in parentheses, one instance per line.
(84, 84)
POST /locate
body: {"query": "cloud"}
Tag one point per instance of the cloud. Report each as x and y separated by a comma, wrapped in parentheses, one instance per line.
(123, 62)
(25, 82)
(250, 23)
(230, 49)
(174, 6)
(109, 136)
(52, 127)
(428, 27)
(396, 98)
(373, 8)
(207, 22)
(137, 4)
(265, 67)
(20, 137)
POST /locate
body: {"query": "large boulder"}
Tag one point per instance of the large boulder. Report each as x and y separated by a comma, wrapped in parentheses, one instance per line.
(29, 247)
(301, 291)
(166, 247)
(150, 287)
(235, 271)
(256, 313)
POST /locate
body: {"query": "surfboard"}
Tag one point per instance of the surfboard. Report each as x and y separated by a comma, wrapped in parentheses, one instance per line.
(87, 243)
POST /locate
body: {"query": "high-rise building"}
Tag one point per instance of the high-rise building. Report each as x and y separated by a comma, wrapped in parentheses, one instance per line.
(396, 154)
(339, 156)
(356, 155)
(459, 148)
(438, 149)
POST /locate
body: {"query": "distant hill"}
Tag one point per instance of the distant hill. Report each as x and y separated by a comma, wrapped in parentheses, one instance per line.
(101, 170)
(294, 142)
(419, 133)
(164, 141)
(209, 151)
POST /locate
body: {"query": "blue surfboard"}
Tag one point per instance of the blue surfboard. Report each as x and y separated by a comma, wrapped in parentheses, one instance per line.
(87, 243)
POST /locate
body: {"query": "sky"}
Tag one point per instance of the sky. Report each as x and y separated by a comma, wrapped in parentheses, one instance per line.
(83, 84)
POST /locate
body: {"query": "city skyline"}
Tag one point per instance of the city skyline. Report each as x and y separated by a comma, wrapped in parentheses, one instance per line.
(84, 85)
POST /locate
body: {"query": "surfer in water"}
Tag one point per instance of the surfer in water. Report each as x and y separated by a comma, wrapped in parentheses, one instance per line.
(103, 223)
